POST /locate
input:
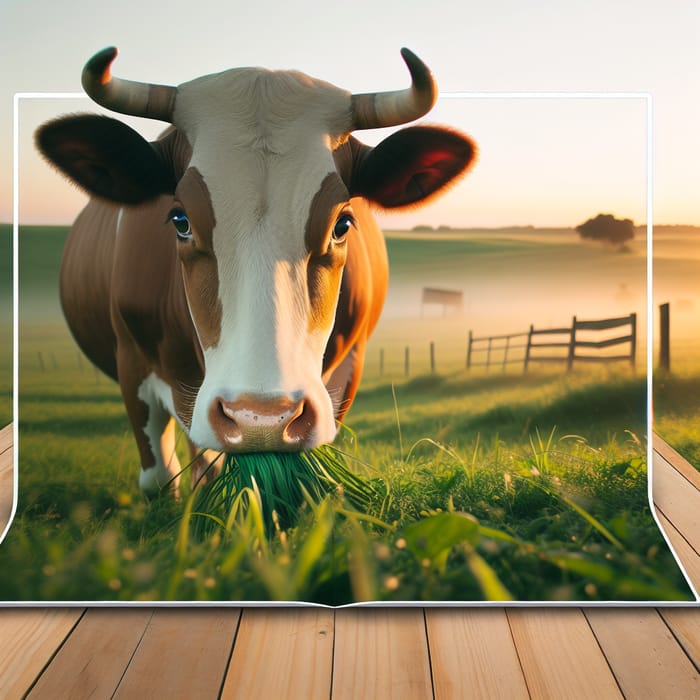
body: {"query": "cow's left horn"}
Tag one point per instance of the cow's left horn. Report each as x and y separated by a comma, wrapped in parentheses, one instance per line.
(377, 109)
(126, 96)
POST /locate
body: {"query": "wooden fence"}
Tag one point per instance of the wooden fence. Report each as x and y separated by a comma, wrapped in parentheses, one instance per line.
(558, 345)
(494, 345)
(576, 343)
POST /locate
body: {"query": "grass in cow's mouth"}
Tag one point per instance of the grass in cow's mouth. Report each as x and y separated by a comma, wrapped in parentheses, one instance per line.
(280, 483)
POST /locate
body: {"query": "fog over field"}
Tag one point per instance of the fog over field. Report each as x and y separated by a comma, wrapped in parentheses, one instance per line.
(513, 279)
(509, 279)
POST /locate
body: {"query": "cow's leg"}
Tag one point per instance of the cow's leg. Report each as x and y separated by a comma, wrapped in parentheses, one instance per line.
(205, 465)
(160, 470)
(146, 399)
(169, 475)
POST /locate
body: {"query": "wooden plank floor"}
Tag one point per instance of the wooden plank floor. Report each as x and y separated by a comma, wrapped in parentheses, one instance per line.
(405, 653)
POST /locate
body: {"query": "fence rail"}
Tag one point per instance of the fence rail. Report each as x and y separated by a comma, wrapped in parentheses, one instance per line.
(544, 340)
(490, 349)
(604, 324)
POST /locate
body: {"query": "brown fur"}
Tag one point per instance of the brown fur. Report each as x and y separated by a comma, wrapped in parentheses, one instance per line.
(198, 262)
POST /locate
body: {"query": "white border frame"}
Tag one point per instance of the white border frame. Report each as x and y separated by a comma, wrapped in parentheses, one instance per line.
(647, 97)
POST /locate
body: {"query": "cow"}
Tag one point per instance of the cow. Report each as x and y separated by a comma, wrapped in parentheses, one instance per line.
(228, 275)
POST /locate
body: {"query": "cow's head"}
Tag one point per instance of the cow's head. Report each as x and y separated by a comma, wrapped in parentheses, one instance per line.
(261, 172)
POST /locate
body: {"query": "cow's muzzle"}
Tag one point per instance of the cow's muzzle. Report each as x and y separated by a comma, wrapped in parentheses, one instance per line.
(260, 424)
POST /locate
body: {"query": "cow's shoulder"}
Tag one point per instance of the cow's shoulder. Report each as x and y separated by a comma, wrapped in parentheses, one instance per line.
(147, 296)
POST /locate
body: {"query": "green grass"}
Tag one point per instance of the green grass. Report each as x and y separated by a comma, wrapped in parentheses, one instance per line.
(677, 412)
(470, 502)
(480, 487)
(281, 483)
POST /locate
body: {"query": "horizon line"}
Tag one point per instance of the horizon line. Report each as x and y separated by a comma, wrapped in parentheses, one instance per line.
(437, 227)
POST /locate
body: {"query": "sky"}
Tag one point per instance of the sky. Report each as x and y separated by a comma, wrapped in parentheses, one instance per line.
(543, 160)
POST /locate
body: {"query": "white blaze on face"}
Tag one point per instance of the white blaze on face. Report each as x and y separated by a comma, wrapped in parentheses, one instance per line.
(261, 144)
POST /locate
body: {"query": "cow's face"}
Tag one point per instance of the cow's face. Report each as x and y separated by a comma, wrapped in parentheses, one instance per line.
(264, 222)
(262, 217)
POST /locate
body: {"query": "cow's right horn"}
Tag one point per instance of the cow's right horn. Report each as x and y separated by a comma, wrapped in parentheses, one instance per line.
(126, 96)
(378, 109)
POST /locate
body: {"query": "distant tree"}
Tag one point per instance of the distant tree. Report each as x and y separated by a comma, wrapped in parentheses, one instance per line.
(422, 228)
(608, 229)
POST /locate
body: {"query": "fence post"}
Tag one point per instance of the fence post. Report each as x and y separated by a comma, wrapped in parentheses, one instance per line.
(488, 354)
(381, 362)
(572, 345)
(469, 350)
(527, 347)
(664, 337)
(406, 361)
(432, 357)
(505, 353)
(633, 349)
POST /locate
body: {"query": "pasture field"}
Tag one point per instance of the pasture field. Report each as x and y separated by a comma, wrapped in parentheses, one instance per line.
(677, 394)
(482, 492)
(491, 486)
(677, 409)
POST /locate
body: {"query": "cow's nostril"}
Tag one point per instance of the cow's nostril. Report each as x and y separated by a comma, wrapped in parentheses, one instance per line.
(301, 425)
(225, 421)
(226, 411)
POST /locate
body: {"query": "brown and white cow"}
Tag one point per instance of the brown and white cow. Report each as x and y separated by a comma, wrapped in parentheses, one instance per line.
(229, 274)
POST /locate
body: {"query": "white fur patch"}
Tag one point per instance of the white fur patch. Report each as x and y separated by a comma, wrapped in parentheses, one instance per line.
(157, 395)
(262, 142)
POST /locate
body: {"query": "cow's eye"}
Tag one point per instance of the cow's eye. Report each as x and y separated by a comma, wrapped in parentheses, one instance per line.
(342, 226)
(181, 223)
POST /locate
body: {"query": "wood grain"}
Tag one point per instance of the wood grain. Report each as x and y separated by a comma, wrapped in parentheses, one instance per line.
(381, 653)
(684, 623)
(6, 435)
(689, 558)
(183, 654)
(6, 489)
(92, 661)
(282, 654)
(680, 463)
(677, 499)
(559, 654)
(643, 670)
(464, 642)
(6, 476)
(29, 638)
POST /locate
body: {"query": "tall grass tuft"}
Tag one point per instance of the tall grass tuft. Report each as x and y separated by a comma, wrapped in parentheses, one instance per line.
(282, 482)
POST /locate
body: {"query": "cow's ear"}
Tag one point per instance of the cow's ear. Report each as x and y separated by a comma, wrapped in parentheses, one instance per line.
(411, 165)
(106, 158)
